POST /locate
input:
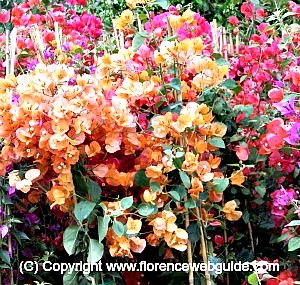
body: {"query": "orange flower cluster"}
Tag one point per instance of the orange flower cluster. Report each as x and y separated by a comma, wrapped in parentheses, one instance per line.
(122, 246)
(50, 122)
(164, 227)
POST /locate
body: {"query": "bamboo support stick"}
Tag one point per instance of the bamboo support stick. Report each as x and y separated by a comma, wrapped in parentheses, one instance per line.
(7, 53)
(215, 36)
(225, 45)
(122, 41)
(57, 36)
(221, 41)
(237, 42)
(203, 247)
(116, 36)
(231, 44)
(13, 47)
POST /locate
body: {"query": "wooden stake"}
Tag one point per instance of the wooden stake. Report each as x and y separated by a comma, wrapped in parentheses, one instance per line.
(231, 44)
(7, 53)
(13, 47)
(237, 43)
(57, 36)
(225, 46)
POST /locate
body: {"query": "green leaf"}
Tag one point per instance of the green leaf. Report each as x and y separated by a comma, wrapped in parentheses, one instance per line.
(69, 238)
(83, 209)
(175, 196)
(127, 202)
(261, 190)
(70, 278)
(154, 186)
(146, 209)
(190, 203)
(217, 142)
(246, 217)
(185, 179)
(102, 227)
(222, 62)
(138, 40)
(180, 189)
(252, 279)
(220, 184)
(219, 106)
(229, 84)
(294, 243)
(175, 84)
(96, 250)
(94, 189)
(246, 109)
(164, 4)
(193, 232)
(140, 179)
(294, 223)
(282, 238)
(177, 163)
(118, 228)
(4, 255)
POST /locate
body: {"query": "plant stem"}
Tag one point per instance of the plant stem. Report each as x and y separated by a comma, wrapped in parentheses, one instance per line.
(203, 248)
(250, 232)
(189, 247)
(226, 246)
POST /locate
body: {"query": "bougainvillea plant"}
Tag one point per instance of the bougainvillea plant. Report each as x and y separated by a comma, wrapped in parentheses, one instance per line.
(142, 143)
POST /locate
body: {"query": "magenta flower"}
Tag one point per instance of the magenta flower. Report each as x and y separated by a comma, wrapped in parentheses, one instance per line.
(3, 230)
(294, 134)
(286, 108)
(282, 197)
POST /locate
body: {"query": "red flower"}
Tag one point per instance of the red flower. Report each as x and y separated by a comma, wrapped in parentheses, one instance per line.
(4, 16)
(233, 20)
(248, 10)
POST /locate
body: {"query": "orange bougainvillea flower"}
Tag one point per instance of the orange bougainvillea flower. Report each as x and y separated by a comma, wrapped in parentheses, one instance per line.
(204, 171)
(177, 239)
(23, 185)
(118, 246)
(214, 161)
(237, 178)
(214, 196)
(196, 188)
(58, 195)
(133, 226)
(153, 239)
(154, 171)
(126, 19)
(230, 213)
(100, 170)
(92, 149)
(190, 163)
(161, 125)
(137, 244)
(149, 196)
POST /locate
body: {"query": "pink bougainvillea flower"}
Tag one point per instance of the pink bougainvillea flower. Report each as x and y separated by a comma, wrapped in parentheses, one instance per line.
(248, 10)
(276, 94)
(260, 13)
(242, 152)
(4, 16)
(233, 20)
